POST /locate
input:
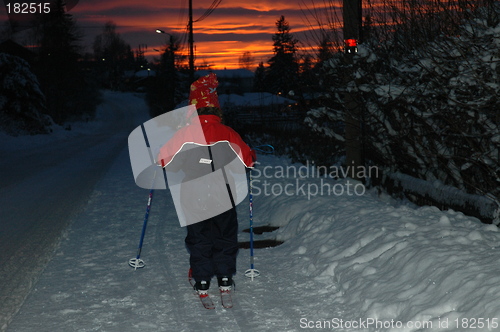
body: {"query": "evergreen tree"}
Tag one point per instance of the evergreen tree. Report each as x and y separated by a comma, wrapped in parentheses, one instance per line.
(307, 77)
(283, 68)
(325, 50)
(166, 89)
(22, 103)
(429, 108)
(113, 53)
(69, 93)
(259, 78)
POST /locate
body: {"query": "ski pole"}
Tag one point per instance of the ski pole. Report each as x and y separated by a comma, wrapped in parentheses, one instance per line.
(137, 262)
(251, 272)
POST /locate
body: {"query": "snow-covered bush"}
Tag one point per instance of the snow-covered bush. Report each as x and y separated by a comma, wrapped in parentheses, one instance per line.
(429, 111)
(21, 101)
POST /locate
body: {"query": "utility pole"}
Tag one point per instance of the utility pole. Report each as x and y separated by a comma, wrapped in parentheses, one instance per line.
(352, 23)
(353, 112)
(191, 43)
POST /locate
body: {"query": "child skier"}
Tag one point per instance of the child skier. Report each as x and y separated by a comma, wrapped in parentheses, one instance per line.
(212, 242)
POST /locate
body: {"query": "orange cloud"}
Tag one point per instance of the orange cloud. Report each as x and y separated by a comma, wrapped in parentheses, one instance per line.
(234, 27)
(227, 54)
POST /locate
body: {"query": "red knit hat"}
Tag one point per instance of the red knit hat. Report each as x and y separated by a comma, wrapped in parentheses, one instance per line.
(203, 92)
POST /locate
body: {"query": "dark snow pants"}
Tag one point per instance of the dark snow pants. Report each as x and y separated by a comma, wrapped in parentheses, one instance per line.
(213, 246)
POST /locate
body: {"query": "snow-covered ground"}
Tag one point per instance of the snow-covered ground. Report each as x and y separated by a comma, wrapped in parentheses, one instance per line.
(352, 260)
(45, 180)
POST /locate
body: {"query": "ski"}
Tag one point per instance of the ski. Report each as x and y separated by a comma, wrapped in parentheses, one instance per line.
(226, 295)
(226, 298)
(205, 299)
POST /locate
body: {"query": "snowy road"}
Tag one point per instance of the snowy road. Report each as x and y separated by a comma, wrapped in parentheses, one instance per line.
(43, 186)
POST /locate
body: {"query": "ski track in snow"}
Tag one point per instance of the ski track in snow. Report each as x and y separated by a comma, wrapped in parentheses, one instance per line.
(344, 257)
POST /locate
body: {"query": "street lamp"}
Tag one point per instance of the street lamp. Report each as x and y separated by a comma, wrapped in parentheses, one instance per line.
(167, 75)
(191, 50)
(162, 31)
(190, 41)
(166, 33)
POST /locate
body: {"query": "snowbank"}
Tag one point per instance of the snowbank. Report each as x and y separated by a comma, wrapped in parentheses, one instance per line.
(105, 115)
(485, 207)
(372, 258)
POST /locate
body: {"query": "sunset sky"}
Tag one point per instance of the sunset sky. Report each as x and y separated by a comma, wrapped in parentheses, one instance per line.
(234, 27)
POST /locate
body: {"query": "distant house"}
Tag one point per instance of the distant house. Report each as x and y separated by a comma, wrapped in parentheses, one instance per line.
(11, 47)
(261, 111)
(255, 101)
(231, 80)
(137, 80)
(252, 102)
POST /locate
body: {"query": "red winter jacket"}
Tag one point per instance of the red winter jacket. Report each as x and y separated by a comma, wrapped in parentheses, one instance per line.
(213, 131)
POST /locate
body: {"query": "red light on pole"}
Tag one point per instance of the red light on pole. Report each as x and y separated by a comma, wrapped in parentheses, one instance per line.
(351, 45)
(351, 42)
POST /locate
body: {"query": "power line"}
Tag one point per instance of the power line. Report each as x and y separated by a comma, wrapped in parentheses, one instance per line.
(209, 11)
(182, 12)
